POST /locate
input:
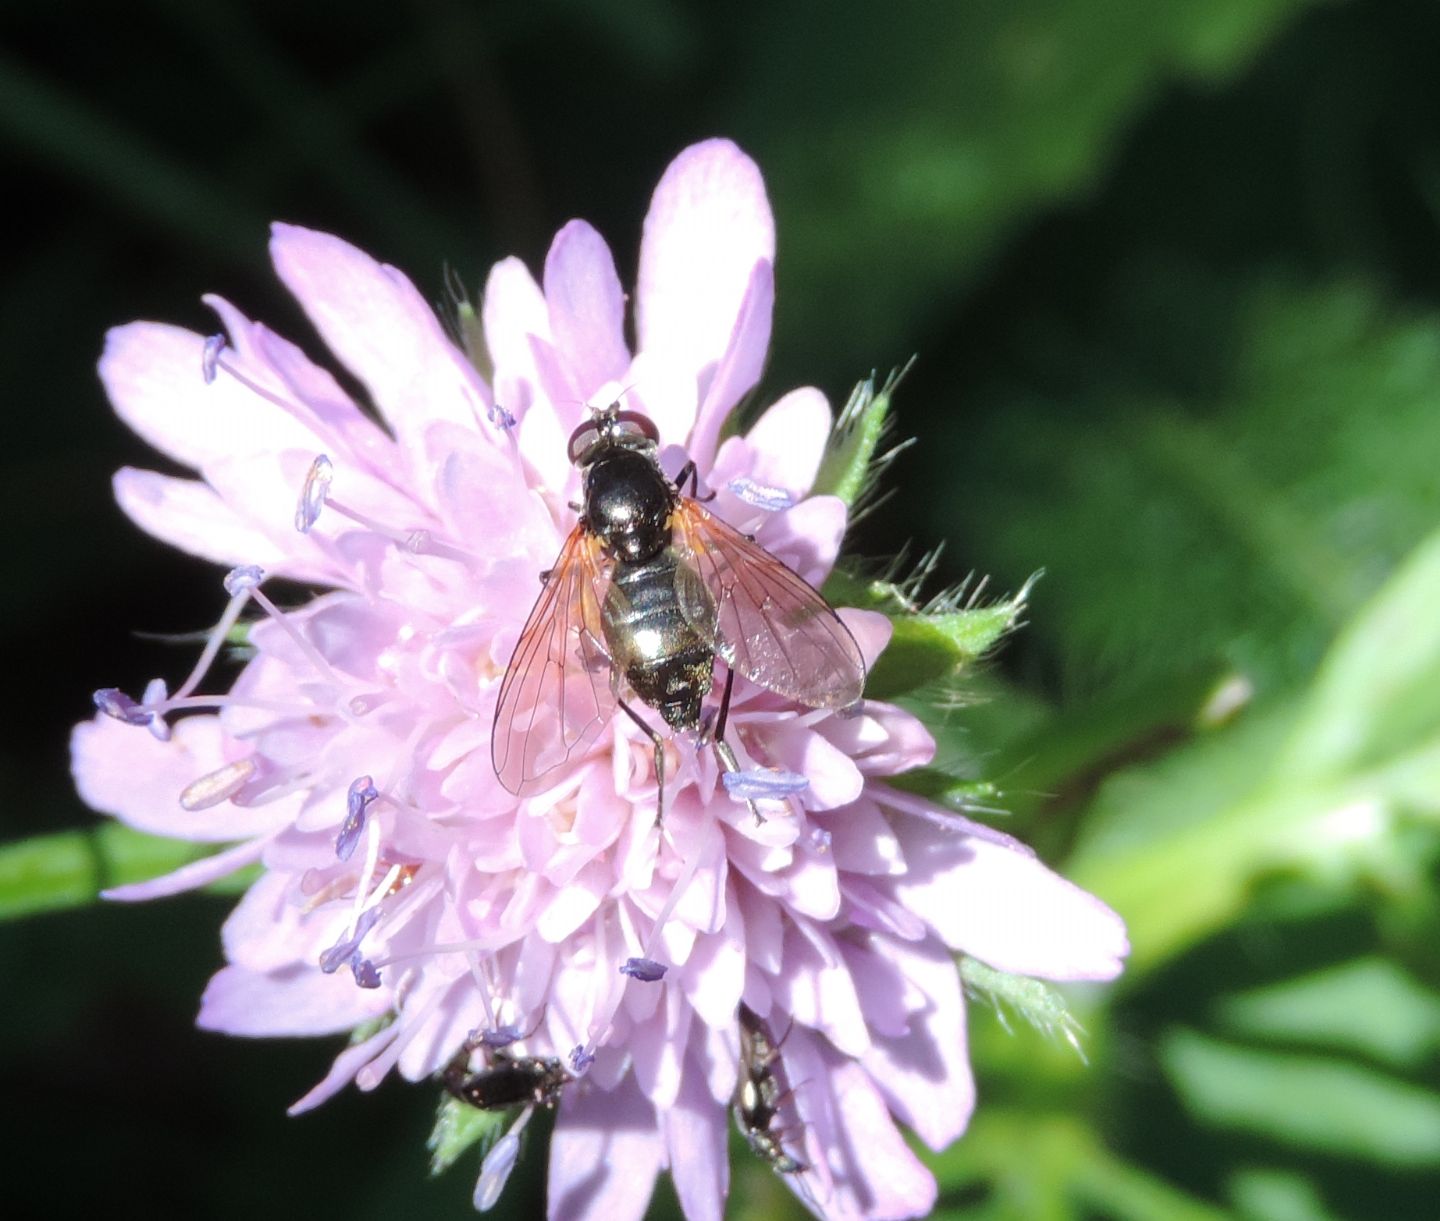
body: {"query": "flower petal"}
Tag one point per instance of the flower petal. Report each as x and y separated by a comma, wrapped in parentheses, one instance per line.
(152, 373)
(1006, 908)
(604, 1155)
(741, 364)
(587, 308)
(695, 1135)
(382, 329)
(709, 224)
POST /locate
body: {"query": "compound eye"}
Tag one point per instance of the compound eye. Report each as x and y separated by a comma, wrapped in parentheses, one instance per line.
(642, 424)
(582, 441)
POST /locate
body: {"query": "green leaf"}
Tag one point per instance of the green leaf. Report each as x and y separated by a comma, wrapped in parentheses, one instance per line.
(852, 461)
(1277, 1195)
(1368, 1006)
(459, 1127)
(930, 646)
(922, 154)
(69, 869)
(1305, 1102)
(1240, 466)
(1179, 846)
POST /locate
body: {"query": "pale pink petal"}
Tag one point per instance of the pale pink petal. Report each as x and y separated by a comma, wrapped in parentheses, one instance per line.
(871, 629)
(383, 331)
(788, 441)
(343, 1071)
(153, 375)
(885, 1181)
(740, 366)
(604, 1155)
(709, 224)
(301, 1000)
(925, 1074)
(123, 770)
(1007, 909)
(587, 308)
(190, 515)
(807, 537)
(189, 877)
(695, 1135)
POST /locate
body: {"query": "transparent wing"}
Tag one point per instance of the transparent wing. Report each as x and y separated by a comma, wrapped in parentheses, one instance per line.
(556, 695)
(761, 618)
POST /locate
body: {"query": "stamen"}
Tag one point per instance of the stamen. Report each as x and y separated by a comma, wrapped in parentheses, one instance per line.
(772, 500)
(302, 642)
(580, 1059)
(820, 839)
(498, 416)
(210, 356)
(763, 783)
(501, 1036)
(646, 970)
(495, 1169)
(340, 954)
(238, 598)
(357, 802)
(247, 577)
(115, 703)
(220, 785)
(154, 698)
(314, 494)
(366, 976)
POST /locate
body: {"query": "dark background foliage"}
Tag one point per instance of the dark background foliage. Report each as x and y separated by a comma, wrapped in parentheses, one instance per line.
(1173, 277)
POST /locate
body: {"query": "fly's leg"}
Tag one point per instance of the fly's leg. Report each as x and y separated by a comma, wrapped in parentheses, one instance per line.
(659, 744)
(723, 750)
(689, 472)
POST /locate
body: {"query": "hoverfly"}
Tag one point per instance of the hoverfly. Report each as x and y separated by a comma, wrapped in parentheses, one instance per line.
(649, 589)
(510, 1081)
(758, 1095)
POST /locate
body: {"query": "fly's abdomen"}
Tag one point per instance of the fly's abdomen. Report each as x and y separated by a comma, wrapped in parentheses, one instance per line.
(666, 662)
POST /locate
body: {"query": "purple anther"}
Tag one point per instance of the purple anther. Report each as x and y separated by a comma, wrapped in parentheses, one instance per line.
(357, 802)
(366, 976)
(498, 416)
(247, 576)
(762, 496)
(763, 783)
(819, 839)
(314, 493)
(347, 948)
(580, 1059)
(501, 1036)
(210, 356)
(115, 703)
(646, 970)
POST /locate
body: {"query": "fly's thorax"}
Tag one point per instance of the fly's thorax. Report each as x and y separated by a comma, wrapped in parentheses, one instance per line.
(628, 503)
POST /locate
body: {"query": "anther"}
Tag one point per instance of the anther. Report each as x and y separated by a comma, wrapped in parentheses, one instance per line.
(366, 975)
(347, 948)
(357, 801)
(498, 416)
(115, 703)
(220, 785)
(760, 784)
(646, 970)
(772, 500)
(210, 356)
(580, 1059)
(314, 494)
(244, 578)
(820, 839)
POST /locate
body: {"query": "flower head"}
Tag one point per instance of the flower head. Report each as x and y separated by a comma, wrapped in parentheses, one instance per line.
(635, 969)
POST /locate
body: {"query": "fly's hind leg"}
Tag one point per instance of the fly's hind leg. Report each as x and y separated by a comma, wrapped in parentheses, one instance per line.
(723, 750)
(659, 744)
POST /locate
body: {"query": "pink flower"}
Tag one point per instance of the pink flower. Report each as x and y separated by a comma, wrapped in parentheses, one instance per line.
(351, 758)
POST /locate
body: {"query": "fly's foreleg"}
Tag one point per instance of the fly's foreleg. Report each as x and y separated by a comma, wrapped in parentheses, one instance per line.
(723, 750)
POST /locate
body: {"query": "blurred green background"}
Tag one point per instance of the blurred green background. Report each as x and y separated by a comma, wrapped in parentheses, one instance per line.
(1172, 272)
